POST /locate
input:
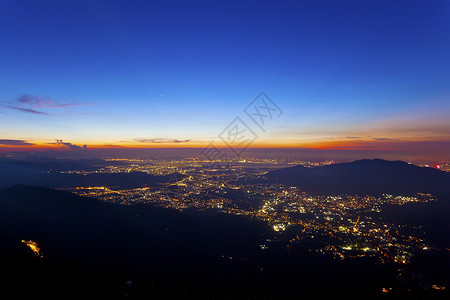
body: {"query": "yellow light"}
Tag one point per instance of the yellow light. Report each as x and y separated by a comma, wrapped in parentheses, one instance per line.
(435, 287)
(34, 247)
(279, 227)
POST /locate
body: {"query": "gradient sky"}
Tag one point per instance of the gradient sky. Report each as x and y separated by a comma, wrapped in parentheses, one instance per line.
(347, 74)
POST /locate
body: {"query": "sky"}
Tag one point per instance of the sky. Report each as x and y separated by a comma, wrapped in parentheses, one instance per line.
(355, 75)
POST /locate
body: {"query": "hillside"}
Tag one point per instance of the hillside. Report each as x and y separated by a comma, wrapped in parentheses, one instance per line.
(365, 176)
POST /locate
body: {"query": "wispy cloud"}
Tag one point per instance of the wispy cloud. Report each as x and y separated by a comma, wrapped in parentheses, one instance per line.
(35, 104)
(68, 145)
(384, 139)
(43, 102)
(15, 142)
(28, 110)
(161, 140)
(112, 146)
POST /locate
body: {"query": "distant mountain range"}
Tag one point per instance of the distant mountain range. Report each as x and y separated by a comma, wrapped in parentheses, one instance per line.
(42, 164)
(121, 180)
(47, 173)
(365, 177)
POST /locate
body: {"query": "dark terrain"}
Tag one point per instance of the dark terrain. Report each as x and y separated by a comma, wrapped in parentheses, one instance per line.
(375, 177)
(365, 176)
(97, 249)
(47, 173)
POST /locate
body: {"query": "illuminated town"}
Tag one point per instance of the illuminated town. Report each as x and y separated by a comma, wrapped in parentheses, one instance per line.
(343, 226)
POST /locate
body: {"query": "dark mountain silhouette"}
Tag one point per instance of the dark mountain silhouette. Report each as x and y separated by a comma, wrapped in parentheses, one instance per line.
(87, 229)
(122, 180)
(377, 177)
(43, 164)
(129, 241)
(365, 176)
(46, 172)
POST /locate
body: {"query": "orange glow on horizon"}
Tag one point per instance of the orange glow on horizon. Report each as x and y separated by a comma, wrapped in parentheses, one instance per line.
(385, 144)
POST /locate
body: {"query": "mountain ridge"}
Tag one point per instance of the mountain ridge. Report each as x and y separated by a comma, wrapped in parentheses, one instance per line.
(370, 176)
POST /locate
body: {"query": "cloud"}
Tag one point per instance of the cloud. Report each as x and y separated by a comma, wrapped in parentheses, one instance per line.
(384, 139)
(161, 140)
(112, 146)
(42, 102)
(69, 145)
(34, 104)
(348, 137)
(28, 110)
(34, 101)
(15, 142)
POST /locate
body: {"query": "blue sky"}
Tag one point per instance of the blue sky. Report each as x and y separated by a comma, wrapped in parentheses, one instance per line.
(105, 72)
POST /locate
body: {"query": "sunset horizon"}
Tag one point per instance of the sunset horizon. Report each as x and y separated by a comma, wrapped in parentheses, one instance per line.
(328, 69)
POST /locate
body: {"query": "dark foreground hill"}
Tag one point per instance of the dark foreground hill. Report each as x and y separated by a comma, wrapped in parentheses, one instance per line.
(129, 241)
(85, 229)
(96, 249)
(365, 177)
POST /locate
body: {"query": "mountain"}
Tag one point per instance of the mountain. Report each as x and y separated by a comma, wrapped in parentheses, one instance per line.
(87, 229)
(79, 236)
(94, 249)
(366, 176)
(377, 177)
(14, 174)
(43, 165)
(48, 173)
(61, 180)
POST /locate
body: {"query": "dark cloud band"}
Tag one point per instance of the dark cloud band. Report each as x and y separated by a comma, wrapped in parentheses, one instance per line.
(15, 142)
